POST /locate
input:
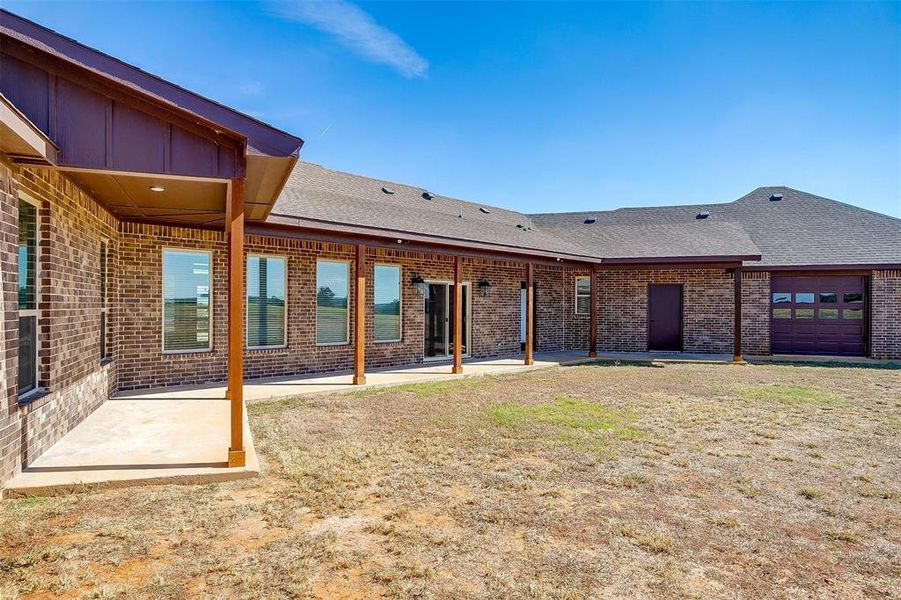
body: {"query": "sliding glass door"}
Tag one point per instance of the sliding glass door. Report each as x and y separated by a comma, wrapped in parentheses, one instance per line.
(439, 322)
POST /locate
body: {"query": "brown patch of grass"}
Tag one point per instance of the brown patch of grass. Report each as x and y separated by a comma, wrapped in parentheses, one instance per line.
(684, 481)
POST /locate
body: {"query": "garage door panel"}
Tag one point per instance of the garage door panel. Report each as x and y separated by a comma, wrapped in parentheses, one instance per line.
(818, 315)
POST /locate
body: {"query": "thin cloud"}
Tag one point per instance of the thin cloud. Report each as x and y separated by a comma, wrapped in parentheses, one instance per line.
(251, 88)
(356, 29)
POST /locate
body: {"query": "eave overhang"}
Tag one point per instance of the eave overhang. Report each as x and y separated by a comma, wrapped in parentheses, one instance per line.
(21, 140)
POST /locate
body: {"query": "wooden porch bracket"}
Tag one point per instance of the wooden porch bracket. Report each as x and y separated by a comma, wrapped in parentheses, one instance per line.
(593, 315)
(458, 315)
(530, 316)
(737, 335)
(235, 234)
(360, 318)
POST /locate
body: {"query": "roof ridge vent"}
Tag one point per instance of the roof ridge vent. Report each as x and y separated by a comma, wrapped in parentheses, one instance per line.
(702, 214)
(387, 190)
(775, 197)
(590, 220)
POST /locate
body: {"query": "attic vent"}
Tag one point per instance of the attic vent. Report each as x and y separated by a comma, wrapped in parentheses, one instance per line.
(428, 195)
(590, 220)
(484, 210)
(520, 226)
(387, 190)
(703, 214)
(775, 197)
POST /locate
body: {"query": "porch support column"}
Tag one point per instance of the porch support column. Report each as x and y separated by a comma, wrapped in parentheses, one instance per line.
(737, 335)
(235, 233)
(360, 318)
(530, 316)
(593, 312)
(458, 315)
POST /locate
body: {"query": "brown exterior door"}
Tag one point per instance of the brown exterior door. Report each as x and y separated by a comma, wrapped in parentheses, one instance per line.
(818, 315)
(664, 317)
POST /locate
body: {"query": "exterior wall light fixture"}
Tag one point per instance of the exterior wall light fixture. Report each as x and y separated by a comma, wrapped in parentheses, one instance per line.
(419, 283)
(484, 287)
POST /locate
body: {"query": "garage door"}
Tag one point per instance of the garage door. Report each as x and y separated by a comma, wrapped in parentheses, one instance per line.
(818, 315)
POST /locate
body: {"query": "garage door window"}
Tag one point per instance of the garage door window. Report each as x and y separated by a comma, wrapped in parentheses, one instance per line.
(852, 313)
(780, 298)
(804, 298)
(782, 313)
(853, 297)
(828, 313)
(803, 313)
(828, 297)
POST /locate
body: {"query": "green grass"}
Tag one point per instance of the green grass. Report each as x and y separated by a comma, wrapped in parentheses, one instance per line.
(576, 421)
(794, 395)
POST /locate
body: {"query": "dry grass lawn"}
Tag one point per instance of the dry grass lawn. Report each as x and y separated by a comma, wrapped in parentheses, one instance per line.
(596, 481)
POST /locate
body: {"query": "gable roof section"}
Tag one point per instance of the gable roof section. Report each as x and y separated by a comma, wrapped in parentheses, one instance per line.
(799, 230)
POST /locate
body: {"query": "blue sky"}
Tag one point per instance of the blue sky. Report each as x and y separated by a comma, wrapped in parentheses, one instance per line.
(546, 106)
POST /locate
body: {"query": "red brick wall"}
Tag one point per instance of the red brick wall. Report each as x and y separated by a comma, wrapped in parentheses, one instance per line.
(71, 226)
(707, 308)
(755, 312)
(495, 318)
(885, 314)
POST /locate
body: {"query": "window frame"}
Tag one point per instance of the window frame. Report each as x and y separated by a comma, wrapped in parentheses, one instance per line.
(577, 295)
(346, 341)
(400, 306)
(36, 311)
(247, 345)
(104, 300)
(209, 254)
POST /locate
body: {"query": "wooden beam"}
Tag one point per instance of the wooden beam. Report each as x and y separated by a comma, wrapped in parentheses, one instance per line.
(737, 334)
(458, 315)
(235, 224)
(593, 312)
(530, 314)
(360, 318)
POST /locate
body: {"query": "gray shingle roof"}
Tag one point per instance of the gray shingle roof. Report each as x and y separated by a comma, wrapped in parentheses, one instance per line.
(801, 229)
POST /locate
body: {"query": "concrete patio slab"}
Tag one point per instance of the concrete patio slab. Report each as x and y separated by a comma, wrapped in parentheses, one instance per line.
(259, 390)
(130, 441)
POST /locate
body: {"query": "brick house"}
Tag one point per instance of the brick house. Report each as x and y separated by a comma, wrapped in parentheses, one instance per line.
(152, 237)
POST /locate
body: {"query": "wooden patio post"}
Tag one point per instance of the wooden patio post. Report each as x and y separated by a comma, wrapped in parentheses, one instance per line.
(530, 316)
(234, 220)
(736, 357)
(593, 315)
(458, 315)
(360, 318)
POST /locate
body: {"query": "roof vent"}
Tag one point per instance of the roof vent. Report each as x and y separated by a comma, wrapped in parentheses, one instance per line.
(484, 210)
(590, 220)
(387, 190)
(775, 197)
(428, 195)
(703, 214)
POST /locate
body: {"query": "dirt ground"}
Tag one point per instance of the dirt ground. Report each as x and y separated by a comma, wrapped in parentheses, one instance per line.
(700, 481)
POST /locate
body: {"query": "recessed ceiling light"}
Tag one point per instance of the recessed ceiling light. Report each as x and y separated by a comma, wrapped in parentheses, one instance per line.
(157, 188)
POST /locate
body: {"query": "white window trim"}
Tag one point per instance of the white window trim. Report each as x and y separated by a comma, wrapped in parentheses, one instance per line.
(346, 341)
(33, 312)
(284, 344)
(165, 249)
(400, 295)
(577, 295)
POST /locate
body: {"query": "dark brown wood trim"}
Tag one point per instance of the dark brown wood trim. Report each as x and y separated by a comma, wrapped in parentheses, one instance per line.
(637, 267)
(681, 259)
(530, 314)
(360, 317)
(458, 315)
(235, 220)
(832, 269)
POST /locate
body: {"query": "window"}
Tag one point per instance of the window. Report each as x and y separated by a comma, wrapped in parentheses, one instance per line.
(781, 298)
(186, 301)
(804, 298)
(386, 303)
(803, 313)
(853, 297)
(266, 277)
(104, 304)
(583, 295)
(331, 302)
(828, 313)
(782, 313)
(852, 313)
(828, 297)
(28, 302)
